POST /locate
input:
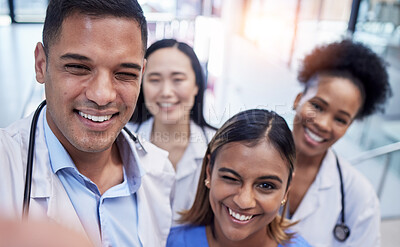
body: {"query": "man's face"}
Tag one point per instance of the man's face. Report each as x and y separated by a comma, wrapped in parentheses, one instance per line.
(92, 80)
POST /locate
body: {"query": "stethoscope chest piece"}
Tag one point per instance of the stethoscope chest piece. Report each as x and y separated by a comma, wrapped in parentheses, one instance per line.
(341, 232)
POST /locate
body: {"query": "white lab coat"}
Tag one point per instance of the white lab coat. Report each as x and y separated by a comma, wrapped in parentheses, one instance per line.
(319, 211)
(188, 168)
(50, 198)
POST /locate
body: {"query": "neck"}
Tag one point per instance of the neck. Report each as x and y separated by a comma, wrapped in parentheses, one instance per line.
(171, 133)
(102, 168)
(305, 161)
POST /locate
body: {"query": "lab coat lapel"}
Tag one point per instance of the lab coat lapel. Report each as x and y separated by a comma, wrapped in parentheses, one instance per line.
(195, 151)
(47, 188)
(154, 195)
(324, 181)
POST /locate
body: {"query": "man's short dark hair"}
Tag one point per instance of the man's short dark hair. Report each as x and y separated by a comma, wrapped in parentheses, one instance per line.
(59, 10)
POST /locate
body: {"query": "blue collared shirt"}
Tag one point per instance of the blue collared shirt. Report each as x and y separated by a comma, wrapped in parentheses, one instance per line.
(110, 219)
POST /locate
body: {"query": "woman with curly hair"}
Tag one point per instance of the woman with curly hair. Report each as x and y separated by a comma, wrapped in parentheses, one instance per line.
(244, 182)
(335, 204)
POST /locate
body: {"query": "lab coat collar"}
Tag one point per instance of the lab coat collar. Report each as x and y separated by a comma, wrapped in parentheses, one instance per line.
(328, 172)
(195, 150)
(324, 181)
(46, 185)
(154, 196)
(198, 140)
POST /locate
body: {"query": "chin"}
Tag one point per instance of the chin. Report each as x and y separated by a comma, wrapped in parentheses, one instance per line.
(93, 145)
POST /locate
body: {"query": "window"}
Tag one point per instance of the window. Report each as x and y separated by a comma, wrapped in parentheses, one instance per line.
(30, 10)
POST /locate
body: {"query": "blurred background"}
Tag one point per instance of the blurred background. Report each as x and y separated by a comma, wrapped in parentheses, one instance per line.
(250, 51)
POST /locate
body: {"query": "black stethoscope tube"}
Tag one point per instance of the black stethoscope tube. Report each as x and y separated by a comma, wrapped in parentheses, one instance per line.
(29, 163)
(341, 231)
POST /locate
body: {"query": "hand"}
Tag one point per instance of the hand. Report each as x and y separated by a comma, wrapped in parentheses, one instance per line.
(14, 233)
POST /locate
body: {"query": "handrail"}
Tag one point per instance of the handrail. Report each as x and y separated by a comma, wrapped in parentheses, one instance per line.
(375, 152)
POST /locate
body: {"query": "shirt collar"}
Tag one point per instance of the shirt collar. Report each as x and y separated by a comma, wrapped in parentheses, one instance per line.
(60, 159)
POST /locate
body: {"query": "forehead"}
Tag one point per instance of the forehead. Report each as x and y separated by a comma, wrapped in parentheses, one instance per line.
(333, 89)
(109, 32)
(168, 58)
(252, 161)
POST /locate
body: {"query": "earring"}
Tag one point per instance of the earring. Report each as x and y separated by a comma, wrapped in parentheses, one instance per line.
(283, 202)
(206, 182)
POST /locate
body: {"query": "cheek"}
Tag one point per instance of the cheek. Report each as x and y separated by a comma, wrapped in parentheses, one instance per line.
(340, 132)
(271, 205)
(129, 94)
(148, 90)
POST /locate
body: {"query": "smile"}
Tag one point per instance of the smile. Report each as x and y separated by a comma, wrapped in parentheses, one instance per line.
(166, 105)
(240, 217)
(313, 136)
(95, 118)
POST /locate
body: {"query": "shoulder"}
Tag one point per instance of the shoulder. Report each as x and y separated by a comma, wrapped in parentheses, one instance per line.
(210, 132)
(296, 241)
(153, 158)
(358, 188)
(187, 235)
(201, 132)
(14, 139)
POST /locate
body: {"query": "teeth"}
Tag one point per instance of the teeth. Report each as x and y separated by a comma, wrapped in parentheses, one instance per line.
(313, 136)
(95, 118)
(166, 104)
(239, 216)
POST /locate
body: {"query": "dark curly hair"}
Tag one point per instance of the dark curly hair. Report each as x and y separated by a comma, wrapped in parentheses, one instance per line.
(354, 61)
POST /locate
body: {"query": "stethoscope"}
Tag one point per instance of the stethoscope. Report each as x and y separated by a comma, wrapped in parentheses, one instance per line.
(341, 231)
(31, 147)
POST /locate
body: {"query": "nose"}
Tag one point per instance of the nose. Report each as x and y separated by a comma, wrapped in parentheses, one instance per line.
(101, 89)
(245, 198)
(167, 89)
(324, 122)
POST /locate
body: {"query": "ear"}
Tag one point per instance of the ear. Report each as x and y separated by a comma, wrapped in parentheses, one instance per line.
(297, 101)
(144, 65)
(40, 63)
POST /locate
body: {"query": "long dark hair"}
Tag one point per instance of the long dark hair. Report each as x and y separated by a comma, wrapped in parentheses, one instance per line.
(141, 112)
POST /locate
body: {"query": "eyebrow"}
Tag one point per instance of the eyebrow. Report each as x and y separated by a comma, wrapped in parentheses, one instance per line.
(273, 177)
(84, 58)
(178, 73)
(223, 169)
(326, 103)
(75, 56)
(153, 74)
(131, 66)
(159, 74)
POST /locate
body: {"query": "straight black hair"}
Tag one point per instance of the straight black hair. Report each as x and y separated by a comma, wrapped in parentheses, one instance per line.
(141, 113)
